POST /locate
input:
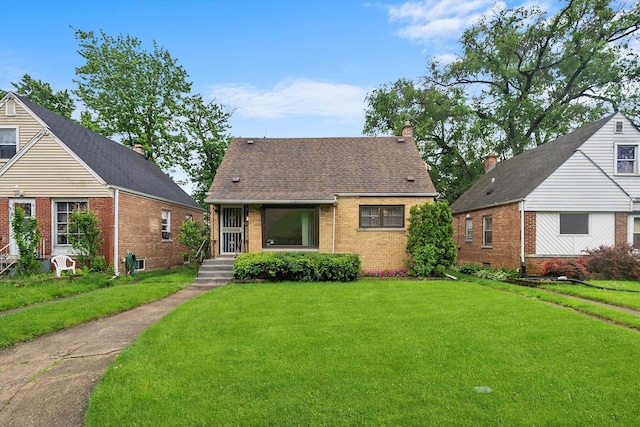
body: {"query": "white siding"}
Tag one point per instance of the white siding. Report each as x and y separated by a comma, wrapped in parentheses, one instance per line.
(549, 241)
(46, 169)
(601, 149)
(578, 186)
(27, 125)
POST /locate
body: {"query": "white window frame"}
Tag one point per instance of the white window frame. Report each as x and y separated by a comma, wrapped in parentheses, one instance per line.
(166, 225)
(632, 231)
(61, 248)
(468, 230)
(140, 264)
(487, 219)
(15, 128)
(635, 159)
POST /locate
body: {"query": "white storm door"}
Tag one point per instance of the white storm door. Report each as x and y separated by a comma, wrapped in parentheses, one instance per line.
(29, 208)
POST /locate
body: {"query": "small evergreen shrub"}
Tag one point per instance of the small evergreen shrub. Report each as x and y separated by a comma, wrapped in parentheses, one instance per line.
(297, 266)
(571, 268)
(620, 262)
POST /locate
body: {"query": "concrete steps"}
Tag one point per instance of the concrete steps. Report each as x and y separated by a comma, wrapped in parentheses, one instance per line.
(215, 271)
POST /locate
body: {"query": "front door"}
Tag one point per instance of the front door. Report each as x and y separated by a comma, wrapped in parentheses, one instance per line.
(29, 208)
(231, 229)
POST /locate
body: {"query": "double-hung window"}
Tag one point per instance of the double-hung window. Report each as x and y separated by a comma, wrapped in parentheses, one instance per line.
(166, 225)
(63, 211)
(626, 159)
(487, 231)
(636, 232)
(469, 230)
(8, 142)
(384, 216)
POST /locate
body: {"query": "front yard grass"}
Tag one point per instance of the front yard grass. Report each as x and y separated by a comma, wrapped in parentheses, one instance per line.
(87, 304)
(373, 352)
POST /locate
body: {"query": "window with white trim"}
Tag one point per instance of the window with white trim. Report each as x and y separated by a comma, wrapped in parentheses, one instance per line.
(166, 225)
(487, 231)
(574, 223)
(636, 232)
(63, 210)
(469, 230)
(10, 108)
(626, 159)
(8, 142)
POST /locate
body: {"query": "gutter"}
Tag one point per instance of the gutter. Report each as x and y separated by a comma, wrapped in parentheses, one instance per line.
(269, 202)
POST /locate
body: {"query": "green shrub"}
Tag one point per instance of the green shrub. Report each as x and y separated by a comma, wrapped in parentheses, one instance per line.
(570, 268)
(620, 262)
(297, 266)
(27, 235)
(430, 239)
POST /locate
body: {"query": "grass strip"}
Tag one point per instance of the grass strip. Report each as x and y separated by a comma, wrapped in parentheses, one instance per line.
(373, 352)
(540, 293)
(39, 320)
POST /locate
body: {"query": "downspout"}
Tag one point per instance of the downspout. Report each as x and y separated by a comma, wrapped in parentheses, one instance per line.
(523, 268)
(333, 226)
(116, 227)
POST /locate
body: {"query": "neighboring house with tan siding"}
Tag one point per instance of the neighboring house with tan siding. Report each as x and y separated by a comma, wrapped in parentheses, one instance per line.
(330, 195)
(575, 193)
(50, 165)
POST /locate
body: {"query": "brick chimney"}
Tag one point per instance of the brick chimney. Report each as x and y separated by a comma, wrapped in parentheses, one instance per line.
(407, 130)
(138, 148)
(490, 162)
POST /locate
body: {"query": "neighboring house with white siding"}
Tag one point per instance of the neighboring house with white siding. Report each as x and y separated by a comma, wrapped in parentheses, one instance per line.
(50, 165)
(575, 193)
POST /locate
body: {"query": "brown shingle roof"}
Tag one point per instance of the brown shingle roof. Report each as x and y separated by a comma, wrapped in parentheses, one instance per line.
(316, 169)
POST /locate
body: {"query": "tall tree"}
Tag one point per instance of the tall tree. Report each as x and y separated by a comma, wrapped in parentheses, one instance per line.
(535, 77)
(205, 140)
(523, 78)
(42, 94)
(131, 94)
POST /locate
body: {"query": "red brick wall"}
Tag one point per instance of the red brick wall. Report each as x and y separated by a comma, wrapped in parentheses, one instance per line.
(505, 249)
(140, 225)
(622, 230)
(4, 221)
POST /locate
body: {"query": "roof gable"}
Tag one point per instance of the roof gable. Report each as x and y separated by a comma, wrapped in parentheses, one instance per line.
(513, 179)
(317, 169)
(116, 164)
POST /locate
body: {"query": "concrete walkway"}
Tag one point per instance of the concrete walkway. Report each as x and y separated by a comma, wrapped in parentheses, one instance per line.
(47, 381)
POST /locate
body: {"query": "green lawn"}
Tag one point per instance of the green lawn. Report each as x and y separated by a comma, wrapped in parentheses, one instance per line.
(373, 352)
(90, 300)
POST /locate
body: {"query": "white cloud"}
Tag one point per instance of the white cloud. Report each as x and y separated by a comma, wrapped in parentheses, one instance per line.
(301, 97)
(438, 19)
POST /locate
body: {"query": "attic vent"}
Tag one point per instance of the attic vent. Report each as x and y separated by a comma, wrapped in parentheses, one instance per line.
(10, 107)
(400, 139)
(619, 126)
(235, 179)
(249, 141)
(410, 178)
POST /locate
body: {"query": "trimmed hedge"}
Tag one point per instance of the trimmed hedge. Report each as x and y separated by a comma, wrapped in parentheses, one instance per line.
(297, 266)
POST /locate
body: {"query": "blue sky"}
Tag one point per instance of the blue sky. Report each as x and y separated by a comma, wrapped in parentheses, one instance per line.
(290, 68)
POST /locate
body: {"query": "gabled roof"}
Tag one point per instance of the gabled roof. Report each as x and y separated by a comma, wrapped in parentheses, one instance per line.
(513, 179)
(114, 163)
(315, 170)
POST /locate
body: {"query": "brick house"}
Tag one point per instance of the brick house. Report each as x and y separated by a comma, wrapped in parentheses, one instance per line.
(575, 193)
(50, 165)
(330, 195)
